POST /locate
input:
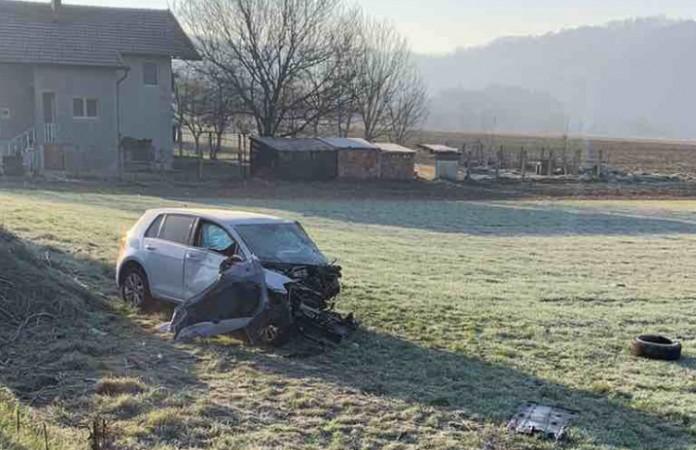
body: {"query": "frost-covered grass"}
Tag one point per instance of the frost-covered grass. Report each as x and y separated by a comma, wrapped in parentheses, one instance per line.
(468, 309)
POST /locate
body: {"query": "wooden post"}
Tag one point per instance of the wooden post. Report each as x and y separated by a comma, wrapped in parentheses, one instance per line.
(498, 162)
(45, 433)
(523, 159)
(551, 164)
(599, 163)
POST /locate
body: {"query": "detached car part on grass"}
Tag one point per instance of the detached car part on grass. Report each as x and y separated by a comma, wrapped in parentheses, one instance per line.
(268, 306)
(540, 420)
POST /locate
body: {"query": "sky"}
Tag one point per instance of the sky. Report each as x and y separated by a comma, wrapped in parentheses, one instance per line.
(442, 26)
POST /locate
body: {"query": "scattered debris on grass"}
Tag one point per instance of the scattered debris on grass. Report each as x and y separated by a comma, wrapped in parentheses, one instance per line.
(540, 420)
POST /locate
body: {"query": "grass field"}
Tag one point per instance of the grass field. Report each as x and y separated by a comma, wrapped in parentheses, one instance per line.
(468, 309)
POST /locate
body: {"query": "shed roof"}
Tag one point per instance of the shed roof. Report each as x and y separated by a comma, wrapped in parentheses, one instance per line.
(349, 143)
(393, 148)
(33, 33)
(294, 144)
(439, 148)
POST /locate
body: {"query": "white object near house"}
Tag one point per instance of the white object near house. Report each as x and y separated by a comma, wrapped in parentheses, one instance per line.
(74, 78)
(446, 161)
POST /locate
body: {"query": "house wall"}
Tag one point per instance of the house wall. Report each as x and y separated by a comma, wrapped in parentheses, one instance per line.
(17, 94)
(90, 143)
(358, 163)
(146, 111)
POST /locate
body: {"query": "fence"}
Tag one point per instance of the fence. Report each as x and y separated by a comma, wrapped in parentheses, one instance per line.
(542, 161)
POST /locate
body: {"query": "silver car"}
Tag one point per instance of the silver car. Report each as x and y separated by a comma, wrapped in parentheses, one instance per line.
(201, 260)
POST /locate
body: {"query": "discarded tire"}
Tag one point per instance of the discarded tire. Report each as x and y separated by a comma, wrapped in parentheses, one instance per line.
(656, 347)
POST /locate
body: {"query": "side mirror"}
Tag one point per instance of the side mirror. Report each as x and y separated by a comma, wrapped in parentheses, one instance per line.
(231, 261)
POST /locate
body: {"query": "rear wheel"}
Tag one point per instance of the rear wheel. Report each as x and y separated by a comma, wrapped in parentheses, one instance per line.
(135, 289)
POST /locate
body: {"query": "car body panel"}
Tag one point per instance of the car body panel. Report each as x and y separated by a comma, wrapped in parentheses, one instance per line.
(177, 272)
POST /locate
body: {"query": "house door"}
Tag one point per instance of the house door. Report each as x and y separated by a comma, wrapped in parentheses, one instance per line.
(49, 107)
(49, 117)
(54, 159)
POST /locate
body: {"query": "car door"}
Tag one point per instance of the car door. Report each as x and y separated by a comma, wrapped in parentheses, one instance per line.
(212, 245)
(164, 256)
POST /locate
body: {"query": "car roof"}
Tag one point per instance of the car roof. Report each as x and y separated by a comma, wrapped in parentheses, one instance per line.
(226, 216)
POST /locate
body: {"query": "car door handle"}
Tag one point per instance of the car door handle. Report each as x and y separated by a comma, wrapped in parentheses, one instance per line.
(193, 256)
(150, 247)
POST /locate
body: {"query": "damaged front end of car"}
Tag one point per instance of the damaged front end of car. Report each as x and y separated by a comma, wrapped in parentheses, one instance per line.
(267, 303)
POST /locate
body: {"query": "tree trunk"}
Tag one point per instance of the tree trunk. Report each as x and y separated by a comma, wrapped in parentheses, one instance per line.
(199, 153)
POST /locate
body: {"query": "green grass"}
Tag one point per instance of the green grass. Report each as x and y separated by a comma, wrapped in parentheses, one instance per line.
(468, 309)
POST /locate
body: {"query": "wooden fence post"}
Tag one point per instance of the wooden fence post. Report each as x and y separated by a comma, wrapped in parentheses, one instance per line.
(551, 166)
(523, 159)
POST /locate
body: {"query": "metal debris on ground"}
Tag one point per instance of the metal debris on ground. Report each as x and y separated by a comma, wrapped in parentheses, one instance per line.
(545, 421)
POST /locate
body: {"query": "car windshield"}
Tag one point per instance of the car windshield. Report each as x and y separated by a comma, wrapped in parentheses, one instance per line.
(281, 243)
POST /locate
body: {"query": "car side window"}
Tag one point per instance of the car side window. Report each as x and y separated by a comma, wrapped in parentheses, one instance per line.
(213, 237)
(176, 228)
(153, 230)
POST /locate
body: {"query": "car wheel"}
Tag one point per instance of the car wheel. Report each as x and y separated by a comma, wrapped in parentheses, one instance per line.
(135, 290)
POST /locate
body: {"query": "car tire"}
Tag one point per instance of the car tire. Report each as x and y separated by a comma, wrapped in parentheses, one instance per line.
(656, 347)
(135, 288)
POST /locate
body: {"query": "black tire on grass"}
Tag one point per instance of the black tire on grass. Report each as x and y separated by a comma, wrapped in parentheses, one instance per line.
(656, 347)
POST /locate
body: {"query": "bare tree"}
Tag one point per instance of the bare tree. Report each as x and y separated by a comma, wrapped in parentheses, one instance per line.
(191, 96)
(385, 58)
(408, 107)
(278, 56)
(222, 107)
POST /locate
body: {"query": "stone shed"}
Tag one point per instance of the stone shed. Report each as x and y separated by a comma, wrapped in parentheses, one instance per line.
(396, 162)
(357, 158)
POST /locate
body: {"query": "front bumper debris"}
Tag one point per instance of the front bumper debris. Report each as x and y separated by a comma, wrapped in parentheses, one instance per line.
(269, 304)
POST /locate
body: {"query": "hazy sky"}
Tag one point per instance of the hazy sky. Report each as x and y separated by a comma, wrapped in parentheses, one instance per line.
(443, 25)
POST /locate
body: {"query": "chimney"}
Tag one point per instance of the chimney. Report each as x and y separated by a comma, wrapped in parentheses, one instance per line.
(55, 5)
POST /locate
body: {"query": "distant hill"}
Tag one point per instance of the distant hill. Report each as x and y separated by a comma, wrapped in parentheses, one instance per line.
(633, 78)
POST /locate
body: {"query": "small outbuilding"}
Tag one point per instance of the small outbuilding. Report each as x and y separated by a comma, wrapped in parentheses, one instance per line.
(293, 159)
(446, 160)
(357, 158)
(396, 162)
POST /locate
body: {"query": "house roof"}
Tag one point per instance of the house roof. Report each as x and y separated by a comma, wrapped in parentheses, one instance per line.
(32, 33)
(294, 144)
(438, 148)
(393, 148)
(349, 143)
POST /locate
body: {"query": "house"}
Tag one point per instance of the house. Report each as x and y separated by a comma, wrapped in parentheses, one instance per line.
(293, 158)
(356, 158)
(76, 80)
(396, 162)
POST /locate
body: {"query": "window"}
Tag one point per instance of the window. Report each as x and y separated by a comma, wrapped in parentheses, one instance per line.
(85, 108)
(213, 237)
(176, 228)
(5, 113)
(153, 230)
(150, 74)
(78, 107)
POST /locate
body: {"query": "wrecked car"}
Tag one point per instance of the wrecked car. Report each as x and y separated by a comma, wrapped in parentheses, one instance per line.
(258, 276)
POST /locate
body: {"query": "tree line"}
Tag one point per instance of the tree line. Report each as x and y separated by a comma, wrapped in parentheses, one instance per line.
(296, 68)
